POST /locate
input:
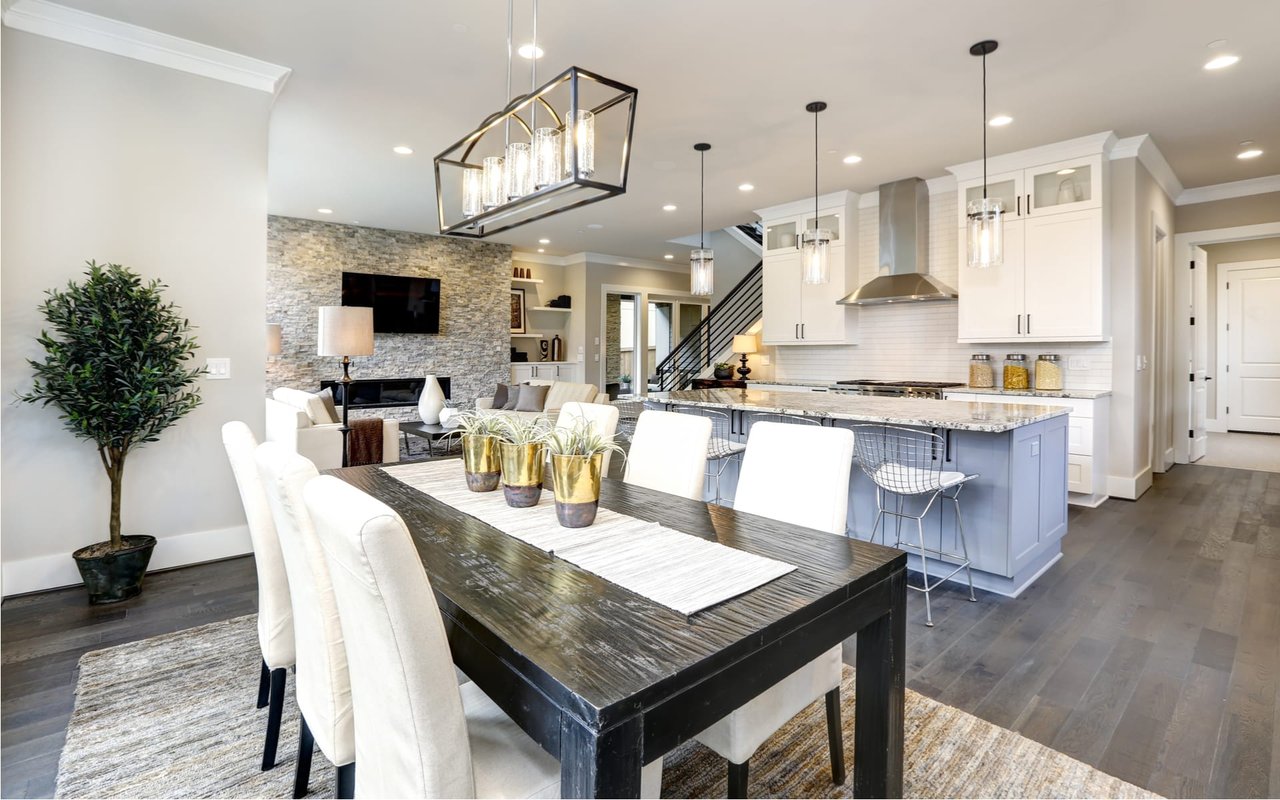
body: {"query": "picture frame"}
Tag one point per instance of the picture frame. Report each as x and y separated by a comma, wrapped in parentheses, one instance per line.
(517, 311)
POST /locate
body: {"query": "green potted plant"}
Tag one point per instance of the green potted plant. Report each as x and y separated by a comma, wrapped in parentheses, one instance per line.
(116, 369)
(724, 370)
(624, 384)
(480, 459)
(577, 455)
(522, 451)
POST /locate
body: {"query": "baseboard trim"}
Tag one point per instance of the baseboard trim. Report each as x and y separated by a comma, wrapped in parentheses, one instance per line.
(57, 571)
(1129, 488)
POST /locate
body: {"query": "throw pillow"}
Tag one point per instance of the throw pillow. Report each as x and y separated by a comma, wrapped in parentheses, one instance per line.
(499, 397)
(532, 398)
(513, 396)
(326, 397)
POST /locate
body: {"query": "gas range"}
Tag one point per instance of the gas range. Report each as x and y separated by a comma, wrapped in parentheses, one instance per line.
(932, 390)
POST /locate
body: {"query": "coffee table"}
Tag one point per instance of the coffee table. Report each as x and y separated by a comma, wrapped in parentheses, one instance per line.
(432, 433)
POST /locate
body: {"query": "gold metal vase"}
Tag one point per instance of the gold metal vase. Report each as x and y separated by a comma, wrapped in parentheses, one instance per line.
(576, 482)
(522, 470)
(481, 463)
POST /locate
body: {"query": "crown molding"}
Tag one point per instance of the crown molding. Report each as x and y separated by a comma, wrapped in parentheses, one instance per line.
(1226, 191)
(537, 258)
(603, 259)
(73, 26)
(1144, 149)
(1103, 142)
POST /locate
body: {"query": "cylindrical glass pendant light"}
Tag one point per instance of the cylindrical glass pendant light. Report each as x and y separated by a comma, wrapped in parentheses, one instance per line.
(495, 190)
(986, 216)
(517, 170)
(583, 139)
(472, 192)
(816, 241)
(546, 157)
(702, 262)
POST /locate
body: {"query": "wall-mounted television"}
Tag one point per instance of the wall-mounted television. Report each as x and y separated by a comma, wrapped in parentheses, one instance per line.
(400, 304)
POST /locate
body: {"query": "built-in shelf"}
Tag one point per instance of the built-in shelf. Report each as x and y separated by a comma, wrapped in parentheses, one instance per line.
(527, 280)
(549, 308)
(527, 336)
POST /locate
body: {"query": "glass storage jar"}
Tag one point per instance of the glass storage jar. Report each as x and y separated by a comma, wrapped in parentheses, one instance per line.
(1048, 373)
(1015, 371)
(981, 374)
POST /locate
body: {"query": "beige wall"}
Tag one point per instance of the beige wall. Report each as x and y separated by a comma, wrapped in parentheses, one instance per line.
(1229, 253)
(1231, 213)
(117, 160)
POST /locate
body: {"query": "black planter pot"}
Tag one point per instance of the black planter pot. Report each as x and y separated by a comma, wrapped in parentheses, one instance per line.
(116, 575)
(724, 374)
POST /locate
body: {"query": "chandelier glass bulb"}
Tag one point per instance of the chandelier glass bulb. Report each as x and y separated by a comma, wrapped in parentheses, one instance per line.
(494, 188)
(518, 170)
(584, 138)
(472, 192)
(702, 272)
(546, 157)
(817, 245)
(986, 232)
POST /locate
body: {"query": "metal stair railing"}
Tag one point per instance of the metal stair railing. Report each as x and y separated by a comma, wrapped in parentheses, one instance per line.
(737, 311)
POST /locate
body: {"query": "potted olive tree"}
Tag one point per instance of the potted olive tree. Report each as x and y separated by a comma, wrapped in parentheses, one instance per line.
(116, 369)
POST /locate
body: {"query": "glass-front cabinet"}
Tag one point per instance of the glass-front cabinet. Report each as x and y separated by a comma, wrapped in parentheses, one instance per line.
(1006, 186)
(830, 221)
(781, 235)
(1065, 186)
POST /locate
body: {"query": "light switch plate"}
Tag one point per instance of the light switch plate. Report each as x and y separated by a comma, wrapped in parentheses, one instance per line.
(217, 369)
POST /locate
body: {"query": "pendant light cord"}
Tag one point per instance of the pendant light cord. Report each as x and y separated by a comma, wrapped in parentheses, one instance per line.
(702, 201)
(815, 174)
(533, 71)
(507, 99)
(984, 127)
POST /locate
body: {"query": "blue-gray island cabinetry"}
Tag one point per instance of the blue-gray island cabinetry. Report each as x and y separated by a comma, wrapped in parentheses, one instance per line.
(1015, 513)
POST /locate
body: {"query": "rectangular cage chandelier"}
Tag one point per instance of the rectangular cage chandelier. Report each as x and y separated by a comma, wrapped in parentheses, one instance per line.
(530, 161)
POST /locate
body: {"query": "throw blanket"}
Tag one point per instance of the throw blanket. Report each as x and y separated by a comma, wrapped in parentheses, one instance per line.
(365, 443)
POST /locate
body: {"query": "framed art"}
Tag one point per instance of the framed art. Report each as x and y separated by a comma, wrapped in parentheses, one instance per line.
(517, 311)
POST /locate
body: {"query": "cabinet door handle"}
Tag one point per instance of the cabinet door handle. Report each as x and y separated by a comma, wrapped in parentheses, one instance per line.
(1028, 204)
(797, 333)
(1028, 324)
(1019, 205)
(801, 330)
(1019, 324)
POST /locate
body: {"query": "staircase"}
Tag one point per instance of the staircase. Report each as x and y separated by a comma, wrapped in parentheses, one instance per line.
(695, 353)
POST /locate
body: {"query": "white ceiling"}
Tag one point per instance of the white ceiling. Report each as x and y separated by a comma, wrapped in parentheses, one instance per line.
(903, 91)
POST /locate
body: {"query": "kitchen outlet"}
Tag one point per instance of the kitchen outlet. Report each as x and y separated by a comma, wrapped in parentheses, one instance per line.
(597, 341)
(597, 358)
(1078, 362)
(217, 369)
(765, 361)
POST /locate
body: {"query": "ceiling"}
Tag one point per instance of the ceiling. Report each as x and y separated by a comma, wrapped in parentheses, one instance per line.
(902, 89)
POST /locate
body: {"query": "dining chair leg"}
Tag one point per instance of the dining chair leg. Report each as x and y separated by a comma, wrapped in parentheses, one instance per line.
(835, 736)
(274, 713)
(264, 686)
(346, 781)
(306, 746)
(737, 780)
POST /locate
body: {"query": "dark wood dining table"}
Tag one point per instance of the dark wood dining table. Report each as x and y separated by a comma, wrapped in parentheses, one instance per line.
(606, 680)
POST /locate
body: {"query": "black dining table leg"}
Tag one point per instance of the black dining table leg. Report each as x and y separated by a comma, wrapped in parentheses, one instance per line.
(600, 763)
(881, 691)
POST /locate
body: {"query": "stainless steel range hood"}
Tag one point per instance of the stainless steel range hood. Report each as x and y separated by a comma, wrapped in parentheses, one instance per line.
(904, 250)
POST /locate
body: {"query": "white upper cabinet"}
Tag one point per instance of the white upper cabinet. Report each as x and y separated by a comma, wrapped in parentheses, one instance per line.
(796, 313)
(1052, 286)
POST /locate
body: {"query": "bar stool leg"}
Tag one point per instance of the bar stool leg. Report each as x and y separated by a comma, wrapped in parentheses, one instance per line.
(924, 568)
(964, 546)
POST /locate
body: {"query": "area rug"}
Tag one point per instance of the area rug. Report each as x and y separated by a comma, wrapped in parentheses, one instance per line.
(175, 716)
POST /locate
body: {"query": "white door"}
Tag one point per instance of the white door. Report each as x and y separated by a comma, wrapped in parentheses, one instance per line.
(781, 298)
(991, 299)
(1252, 291)
(1063, 276)
(1196, 274)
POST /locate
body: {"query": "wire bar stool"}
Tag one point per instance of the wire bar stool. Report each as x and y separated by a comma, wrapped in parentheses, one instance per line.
(907, 463)
(721, 449)
(628, 414)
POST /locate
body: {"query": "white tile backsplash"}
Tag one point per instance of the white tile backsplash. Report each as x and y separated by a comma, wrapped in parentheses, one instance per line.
(918, 342)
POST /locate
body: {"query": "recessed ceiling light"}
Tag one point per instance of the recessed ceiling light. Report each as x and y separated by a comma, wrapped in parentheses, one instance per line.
(1221, 62)
(851, 159)
(544, 241)
(402, 150)
(1251, 152)
(1000, 120)
(745, 187)
(529, 51)
(324, 210)
(623, 264)
(669, 207)
(1067, 171)
(541, 250)
(668, 256)
(595, 226)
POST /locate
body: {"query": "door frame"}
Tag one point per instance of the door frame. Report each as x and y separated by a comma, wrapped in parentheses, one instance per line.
(1224, 316)
(1180, 328)
(641, 294)
(1163, 385)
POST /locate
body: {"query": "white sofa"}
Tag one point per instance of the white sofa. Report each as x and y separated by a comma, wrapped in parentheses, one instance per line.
(561, 392)
(291, 416)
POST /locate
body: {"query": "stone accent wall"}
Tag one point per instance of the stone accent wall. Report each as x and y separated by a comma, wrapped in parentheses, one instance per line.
(612, 337)
(305, 262)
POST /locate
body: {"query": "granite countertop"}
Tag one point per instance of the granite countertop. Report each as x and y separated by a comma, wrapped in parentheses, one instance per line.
(1078, 394)
(814, 384)
(948, 414)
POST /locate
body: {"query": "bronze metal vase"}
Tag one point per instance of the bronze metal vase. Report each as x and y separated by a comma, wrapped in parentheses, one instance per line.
(481, 463)
(522, 466)
(576, 482)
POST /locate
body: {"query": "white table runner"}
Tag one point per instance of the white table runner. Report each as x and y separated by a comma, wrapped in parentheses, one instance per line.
(682, 572)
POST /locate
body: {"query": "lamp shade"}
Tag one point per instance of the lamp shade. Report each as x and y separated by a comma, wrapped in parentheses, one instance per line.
(345, 331)
(273, 338)
(745, 343)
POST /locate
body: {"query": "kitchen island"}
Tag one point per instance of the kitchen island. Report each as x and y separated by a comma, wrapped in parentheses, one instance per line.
(1015, 513)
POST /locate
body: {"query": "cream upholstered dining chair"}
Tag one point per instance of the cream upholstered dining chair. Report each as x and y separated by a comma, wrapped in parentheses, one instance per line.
(669, 453)
(321, 683)
(275, 611)
(601, 417)
(418, 733)
(797, 474)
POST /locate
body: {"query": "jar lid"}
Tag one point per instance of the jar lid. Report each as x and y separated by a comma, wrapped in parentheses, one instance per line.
(1016, 357)
(1047, 357)
(981, 356)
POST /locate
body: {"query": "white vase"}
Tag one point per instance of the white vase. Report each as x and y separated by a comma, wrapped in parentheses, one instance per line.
(448, 417)
(431, 401)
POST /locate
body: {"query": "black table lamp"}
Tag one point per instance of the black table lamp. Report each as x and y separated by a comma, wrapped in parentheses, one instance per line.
(345, 331)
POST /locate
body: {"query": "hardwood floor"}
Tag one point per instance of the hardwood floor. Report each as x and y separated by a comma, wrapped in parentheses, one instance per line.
(1150, 650)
